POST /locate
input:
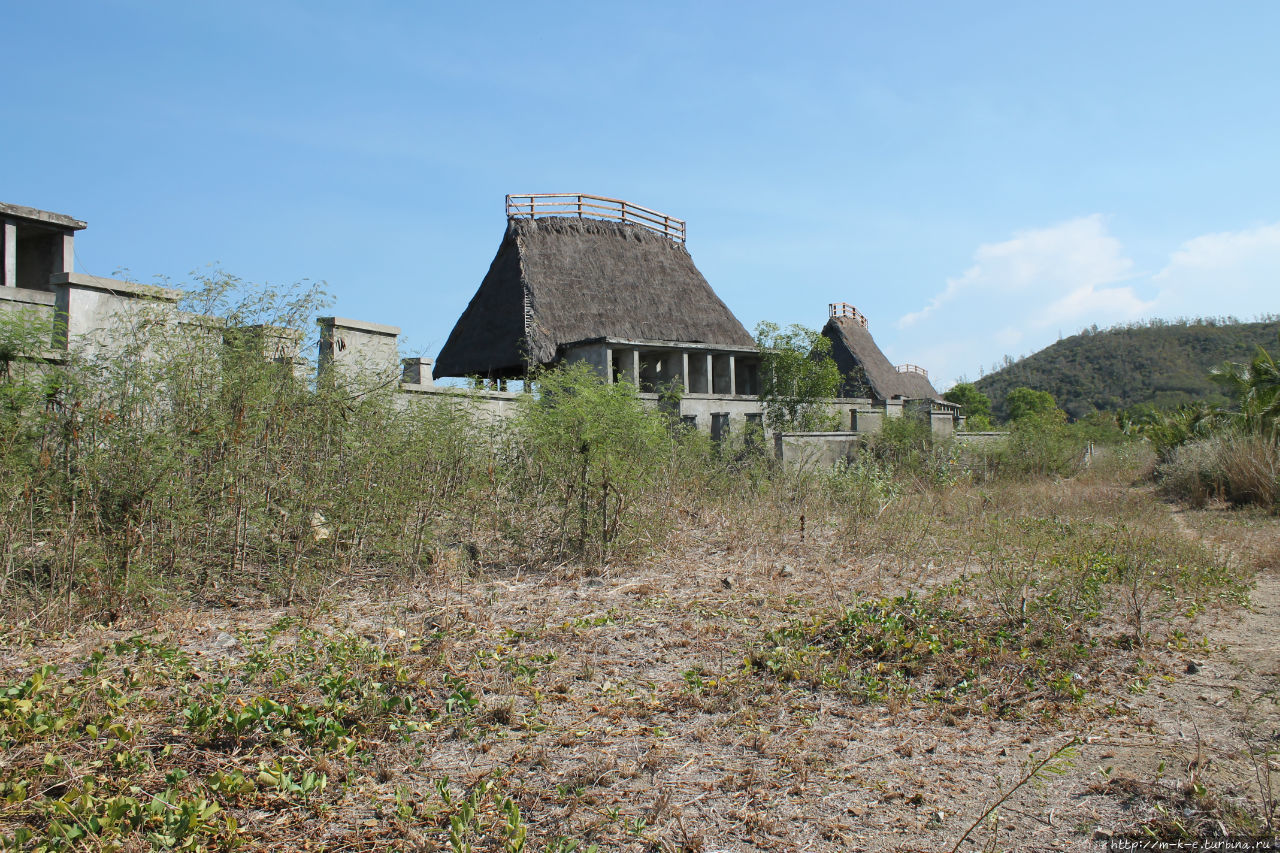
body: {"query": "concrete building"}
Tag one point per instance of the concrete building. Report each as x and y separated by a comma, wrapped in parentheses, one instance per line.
(577, 278)
(39, 280)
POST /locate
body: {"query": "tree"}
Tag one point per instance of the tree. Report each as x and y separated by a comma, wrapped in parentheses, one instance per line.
(1256, 388)
(797, 377)
(1024, 403)
(977, 406)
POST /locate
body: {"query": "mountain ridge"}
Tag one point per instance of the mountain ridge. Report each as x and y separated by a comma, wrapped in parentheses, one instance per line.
(1160, 363)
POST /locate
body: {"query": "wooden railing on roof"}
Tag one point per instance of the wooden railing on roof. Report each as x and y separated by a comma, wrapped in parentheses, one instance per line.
(844, 309)
(912, 368)
(533, 205)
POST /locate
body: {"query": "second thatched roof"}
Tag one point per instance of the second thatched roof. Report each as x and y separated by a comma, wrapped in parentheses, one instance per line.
(555, 281)
(866, 371)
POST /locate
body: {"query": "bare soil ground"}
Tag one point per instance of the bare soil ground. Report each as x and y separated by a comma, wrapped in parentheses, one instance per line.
(615, 707)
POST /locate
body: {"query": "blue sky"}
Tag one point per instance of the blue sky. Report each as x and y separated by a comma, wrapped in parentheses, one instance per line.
(977, 178)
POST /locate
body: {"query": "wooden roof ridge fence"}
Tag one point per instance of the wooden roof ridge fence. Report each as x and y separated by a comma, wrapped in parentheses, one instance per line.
(912, 368)
(533, 205)
(844, 309)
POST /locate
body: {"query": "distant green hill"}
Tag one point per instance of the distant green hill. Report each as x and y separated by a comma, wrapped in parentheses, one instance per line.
(1159, 363)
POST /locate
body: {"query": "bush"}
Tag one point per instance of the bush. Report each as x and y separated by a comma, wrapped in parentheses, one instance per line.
(203, 459)
(797, 376)
(1044, 444)
(1238, 468)
(585, 455)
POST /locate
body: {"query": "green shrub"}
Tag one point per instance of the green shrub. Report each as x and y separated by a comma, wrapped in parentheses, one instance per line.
(586, 454)
(1043, 444)
(977, 406)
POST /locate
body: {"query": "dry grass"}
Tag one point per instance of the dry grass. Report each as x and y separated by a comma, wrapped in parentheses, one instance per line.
(715, 695)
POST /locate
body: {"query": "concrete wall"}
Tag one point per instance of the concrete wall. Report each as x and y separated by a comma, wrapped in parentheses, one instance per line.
(36, 304)
(597, 355)
(982, 439)
(701, 407)
(866, 420)
(94, 313)
(494, 405)
(36, 309)
(417, 371)
(816, 449)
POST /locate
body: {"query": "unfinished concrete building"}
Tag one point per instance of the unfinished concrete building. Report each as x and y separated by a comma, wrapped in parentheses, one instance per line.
(587, 278)
(869, 375)
(580, 277)
(38, 278)
(577, 278)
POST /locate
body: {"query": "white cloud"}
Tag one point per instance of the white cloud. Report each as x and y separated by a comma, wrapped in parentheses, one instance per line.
(1074, 258)
(1234, 272)
(1018, 293)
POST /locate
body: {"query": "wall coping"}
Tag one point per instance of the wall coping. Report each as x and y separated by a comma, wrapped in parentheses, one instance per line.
(466, 393)
(48, 217)
(30, 297)
(358, 325)
(80, 281)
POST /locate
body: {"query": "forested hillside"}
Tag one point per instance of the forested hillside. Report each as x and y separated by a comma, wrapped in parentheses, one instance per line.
(1158, 363)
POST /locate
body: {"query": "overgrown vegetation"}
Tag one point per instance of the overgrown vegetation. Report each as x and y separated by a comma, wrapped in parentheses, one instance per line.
(1229, 453)
(244, 608)
(977, 406)
(206, 462)
(797, 377)
(1025, 633)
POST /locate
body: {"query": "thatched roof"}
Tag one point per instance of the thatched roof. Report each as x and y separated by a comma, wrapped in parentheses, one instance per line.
(559, 280)
(916, 386)
(866, 371)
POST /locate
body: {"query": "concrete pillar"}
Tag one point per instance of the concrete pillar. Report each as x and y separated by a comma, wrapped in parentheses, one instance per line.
(64, 254)
(608, 365)
(684, 371)
(733, 375)
(416, 371)
(355, 346)
(9, 256)
(710, 381)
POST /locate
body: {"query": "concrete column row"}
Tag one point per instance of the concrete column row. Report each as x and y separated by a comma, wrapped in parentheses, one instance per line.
(709, 373)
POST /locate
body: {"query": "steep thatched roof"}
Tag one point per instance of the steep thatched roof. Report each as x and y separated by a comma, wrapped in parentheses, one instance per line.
(916, 386)
(559, 280)
(866, 371)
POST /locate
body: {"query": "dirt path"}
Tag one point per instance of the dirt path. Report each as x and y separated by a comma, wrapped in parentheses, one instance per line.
(1213, 720)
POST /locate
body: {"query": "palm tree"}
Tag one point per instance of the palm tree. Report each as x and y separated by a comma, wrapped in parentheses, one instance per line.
(1255, 385)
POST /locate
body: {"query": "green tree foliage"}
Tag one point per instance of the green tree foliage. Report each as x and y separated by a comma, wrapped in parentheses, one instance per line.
(1025, 403)
(797, 377)
(977, 406)
(588, 449)
(1168, 430)
(1159, 363)
(1232, 453)
(1255, 388)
